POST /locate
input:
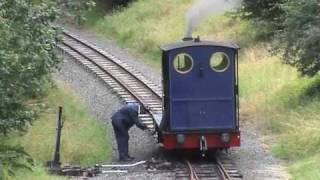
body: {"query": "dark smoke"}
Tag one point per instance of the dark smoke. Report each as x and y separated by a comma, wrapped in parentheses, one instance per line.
(203, 8)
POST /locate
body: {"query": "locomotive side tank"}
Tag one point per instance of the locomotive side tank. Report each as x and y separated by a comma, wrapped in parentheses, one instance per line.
(200, 85)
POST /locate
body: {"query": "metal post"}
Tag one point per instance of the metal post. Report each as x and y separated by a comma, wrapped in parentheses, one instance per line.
(54, 165)
(56, 159)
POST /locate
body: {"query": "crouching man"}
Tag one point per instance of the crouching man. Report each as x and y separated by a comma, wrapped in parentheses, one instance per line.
(122, 121)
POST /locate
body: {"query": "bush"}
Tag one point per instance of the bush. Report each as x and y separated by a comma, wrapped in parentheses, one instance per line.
(294, 25)
(265, 13)
(121, 2)
(299, 41)
(13, 157)
(75, 8)
(27, 58)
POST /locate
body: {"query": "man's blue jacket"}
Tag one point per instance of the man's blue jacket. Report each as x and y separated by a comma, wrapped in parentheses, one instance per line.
(128, 116)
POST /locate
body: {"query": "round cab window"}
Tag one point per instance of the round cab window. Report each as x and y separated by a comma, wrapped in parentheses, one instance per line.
(219, 61)
(183, 63)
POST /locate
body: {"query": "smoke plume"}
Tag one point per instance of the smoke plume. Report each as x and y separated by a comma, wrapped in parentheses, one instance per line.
(203, 8)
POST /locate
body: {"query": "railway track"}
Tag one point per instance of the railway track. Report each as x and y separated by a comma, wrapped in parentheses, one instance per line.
(130, 85)
(125, 81)
(221, 169)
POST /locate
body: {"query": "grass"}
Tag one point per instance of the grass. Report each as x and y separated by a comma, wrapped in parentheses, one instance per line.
(285, 105)
(293, 118)
(307, 168)
(147, 24)
(38, 173)
(84, 139)
(145, 29)
(261, 74)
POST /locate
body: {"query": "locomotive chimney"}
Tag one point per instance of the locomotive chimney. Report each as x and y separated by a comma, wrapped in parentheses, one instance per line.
(197, 39)
(188, 35)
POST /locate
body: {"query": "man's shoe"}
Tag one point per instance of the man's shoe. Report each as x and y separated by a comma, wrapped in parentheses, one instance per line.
(125, 159)
(132, 158)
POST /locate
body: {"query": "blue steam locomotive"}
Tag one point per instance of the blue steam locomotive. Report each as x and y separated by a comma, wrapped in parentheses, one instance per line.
(201, 101)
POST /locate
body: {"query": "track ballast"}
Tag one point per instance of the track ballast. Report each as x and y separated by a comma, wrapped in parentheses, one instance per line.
(128, 83)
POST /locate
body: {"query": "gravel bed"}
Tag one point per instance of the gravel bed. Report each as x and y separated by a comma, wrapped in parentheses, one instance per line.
(110, 46)
(102, 102)
(252, 158)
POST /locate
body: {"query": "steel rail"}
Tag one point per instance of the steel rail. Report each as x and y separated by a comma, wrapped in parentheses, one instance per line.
(110, 74)
(193, 174)
(222, 170)
(110, 59)
(94, 68)
(122, 165)
(123, 93)
(143, 94)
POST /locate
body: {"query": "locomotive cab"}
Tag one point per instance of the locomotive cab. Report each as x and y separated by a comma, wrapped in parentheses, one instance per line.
(200, 85)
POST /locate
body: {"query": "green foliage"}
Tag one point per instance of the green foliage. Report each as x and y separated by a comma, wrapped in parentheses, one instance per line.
(12, 158)
(265, 13)
(39, 172)
(293, 25)
(297, 103)
(262, 74)
(80, 128)
(76, 8)
(122, 2)
(26, 60)
(146, 24)
(299, 41)
(79, 131)
(307, 168)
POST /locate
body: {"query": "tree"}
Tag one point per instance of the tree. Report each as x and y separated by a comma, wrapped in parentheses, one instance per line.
(75, 8)
(299, 41)
(116, 3)
(11, 158)
(294, 27)
(268, 15)
(27, 58)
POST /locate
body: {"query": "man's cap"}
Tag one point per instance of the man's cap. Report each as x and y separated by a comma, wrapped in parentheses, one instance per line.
(133, 105)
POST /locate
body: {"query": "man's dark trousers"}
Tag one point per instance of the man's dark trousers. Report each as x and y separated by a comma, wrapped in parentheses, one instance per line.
(121, 133)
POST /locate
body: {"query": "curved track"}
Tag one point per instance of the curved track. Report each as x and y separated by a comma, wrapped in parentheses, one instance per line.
(128, 83)
(222, 169)
(131, 85)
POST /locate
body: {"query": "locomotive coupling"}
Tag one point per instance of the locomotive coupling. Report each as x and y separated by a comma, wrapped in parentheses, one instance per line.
(203, 145)
(180, 139)
(225, 138)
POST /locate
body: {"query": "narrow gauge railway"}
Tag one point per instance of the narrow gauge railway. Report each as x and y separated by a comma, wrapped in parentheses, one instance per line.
(219, 170)
(128, 83)
(132, 85)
